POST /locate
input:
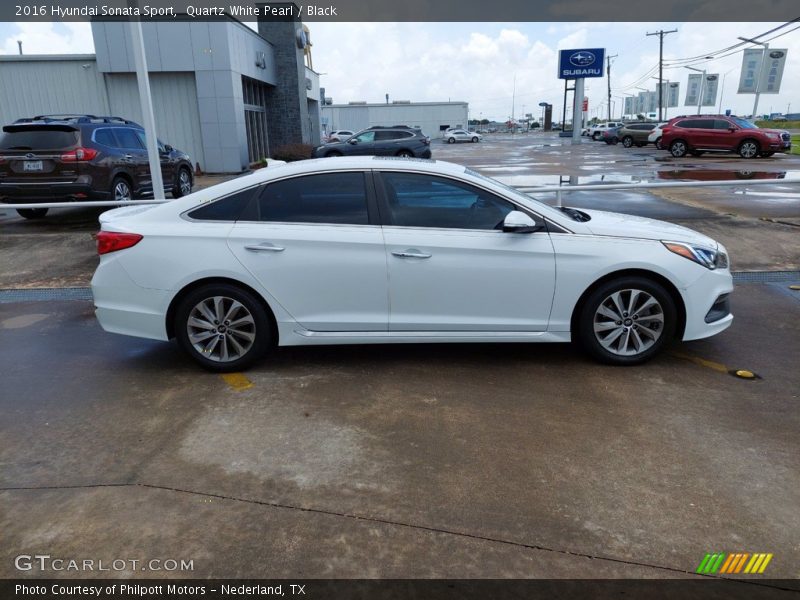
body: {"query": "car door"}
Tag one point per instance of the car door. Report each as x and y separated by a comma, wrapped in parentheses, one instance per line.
(362, 144)
(167, 160)
(133, 154)
(315, 244)
(723, 136)
(450, 265)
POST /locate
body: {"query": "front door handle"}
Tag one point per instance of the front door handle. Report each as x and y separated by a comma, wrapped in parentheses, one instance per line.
(413, 253)
(265, 247)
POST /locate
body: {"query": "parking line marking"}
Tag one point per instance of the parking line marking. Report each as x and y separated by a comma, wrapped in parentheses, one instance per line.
(237, 381)
(709, 364)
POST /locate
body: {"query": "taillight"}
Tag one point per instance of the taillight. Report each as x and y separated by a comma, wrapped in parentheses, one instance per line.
(79, 154)
(111, 241)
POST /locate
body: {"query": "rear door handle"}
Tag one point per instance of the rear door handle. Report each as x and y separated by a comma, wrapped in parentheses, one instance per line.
(265, 247)
(411, 254)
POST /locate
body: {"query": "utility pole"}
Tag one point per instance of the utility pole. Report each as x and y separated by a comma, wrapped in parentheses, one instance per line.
(661, 35)
(608, 76)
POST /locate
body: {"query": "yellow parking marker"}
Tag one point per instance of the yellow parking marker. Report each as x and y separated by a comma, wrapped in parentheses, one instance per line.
(745, 374)
(709, 364)
(237, 381)
(794, 287)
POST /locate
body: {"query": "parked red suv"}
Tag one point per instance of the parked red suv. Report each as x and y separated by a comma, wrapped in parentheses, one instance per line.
(698, 133)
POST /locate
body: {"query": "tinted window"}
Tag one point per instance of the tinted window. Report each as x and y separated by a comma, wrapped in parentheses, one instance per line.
(225, 209)
(391, 135)
(105, 137)
(721, 124)
(127, 138)
(698, 124)
(38, 140)
(428, 201)
(338, 198)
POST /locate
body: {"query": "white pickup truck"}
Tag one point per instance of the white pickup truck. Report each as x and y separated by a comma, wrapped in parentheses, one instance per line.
(596, 131)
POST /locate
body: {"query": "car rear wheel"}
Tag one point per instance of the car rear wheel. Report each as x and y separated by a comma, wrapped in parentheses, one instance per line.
(627, 321)
(32, 213)
(121, 190)
(222, 327)
(405, 154)
(748, 149)
(451, 140)
(678, 148)
(183, 186)
(658, 143)
(627, 141)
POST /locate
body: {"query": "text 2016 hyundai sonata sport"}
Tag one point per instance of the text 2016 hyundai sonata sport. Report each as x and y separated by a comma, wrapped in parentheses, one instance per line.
(369, 250)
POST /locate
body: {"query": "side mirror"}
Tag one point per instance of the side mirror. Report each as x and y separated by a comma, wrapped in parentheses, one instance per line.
(168, 148)
(518, 222)
(353, 141)
(732, 129)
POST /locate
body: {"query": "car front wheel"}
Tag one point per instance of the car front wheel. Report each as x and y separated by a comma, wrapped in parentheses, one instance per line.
(678, 148)
(451, 140)
(627, 321)
(474, 140)
(222, 327)
(749, 149)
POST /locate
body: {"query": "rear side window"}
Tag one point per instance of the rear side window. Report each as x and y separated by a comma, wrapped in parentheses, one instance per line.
(38, 140)
(105, 137)
(228, 208)
(128, 138)
(336, 198)
(391, 135)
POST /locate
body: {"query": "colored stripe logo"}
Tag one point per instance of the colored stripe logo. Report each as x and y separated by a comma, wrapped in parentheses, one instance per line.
(734, 563)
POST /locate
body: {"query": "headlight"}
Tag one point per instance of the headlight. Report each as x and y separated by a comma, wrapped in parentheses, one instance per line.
(708, 257)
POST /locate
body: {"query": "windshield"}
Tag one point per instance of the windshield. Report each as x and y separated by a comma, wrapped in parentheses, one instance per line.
(744, 124)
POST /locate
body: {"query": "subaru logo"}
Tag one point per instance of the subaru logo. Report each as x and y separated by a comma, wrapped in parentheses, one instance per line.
(30, 155)
(711, 78)
(581, 58)
(776, 54)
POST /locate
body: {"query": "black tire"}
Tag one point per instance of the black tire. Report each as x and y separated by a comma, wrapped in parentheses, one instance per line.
(261, 328)
(333, 154)
(474, 140)
(748, 149)
(596, 136)
(627, 141)
(658, 143)
(183, 183)
(121, 189)
(451, 140)
(405, 154)
(32, 213)
(601, 294)
(678, 148)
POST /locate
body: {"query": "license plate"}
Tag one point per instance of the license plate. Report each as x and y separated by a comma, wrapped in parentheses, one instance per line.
(32, 165)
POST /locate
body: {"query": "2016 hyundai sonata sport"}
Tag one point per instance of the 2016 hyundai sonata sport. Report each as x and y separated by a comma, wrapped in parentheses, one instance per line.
(369, 250)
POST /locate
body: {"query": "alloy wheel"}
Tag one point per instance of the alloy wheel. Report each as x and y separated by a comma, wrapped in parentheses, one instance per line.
(221, 329)
(628, 322)
(185, 182)
(748, 149)
(122, 191)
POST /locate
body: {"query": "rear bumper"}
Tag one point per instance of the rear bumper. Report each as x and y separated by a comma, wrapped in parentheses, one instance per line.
(49, 192)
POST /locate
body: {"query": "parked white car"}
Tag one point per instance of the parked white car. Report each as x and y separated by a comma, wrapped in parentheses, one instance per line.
(461, 135)
(374, 250)
(340, 135)
(655, 135)
(596, 131)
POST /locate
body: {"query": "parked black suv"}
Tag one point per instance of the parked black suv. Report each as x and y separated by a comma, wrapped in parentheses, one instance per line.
(400, 140)
(63, 158)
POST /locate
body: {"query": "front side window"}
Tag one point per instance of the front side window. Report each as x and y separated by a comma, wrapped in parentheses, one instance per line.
(416, 200)
(336, 198)
(367, 136)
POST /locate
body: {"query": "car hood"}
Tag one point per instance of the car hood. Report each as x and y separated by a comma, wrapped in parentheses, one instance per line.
(629, 226)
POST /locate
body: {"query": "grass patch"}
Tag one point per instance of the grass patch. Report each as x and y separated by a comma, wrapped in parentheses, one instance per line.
(796, 144)
(779, 124)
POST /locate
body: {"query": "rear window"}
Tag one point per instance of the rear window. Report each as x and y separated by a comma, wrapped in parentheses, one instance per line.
(38, 140)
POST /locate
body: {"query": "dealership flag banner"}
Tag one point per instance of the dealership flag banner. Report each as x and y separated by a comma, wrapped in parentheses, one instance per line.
(710, 89)
(771, 75)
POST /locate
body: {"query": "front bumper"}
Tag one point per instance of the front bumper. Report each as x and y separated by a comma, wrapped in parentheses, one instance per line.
(707, 302)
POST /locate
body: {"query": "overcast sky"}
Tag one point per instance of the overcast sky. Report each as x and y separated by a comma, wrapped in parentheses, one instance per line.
(478, 62)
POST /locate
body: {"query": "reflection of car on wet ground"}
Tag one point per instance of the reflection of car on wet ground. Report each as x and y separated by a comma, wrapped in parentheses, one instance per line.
(367, 250)
(697, 134)
(718, 174)
(63, 158)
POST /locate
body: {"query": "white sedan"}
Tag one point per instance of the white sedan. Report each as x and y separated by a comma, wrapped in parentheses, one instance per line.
(373, 250)
(461, 135)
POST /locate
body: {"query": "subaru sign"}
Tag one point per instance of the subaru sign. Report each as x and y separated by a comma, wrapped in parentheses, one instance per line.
(578, 64)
